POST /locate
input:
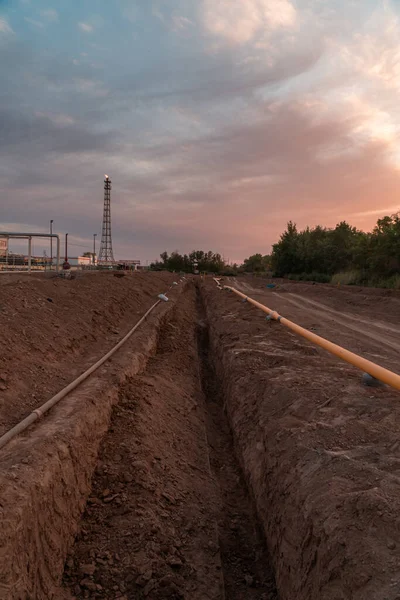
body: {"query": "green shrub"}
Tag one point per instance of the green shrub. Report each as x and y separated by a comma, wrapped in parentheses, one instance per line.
(359, 278)
(317, 277)
(348, 278)
(390, 283)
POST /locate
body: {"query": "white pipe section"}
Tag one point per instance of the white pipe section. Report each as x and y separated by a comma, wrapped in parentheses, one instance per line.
(39, 412)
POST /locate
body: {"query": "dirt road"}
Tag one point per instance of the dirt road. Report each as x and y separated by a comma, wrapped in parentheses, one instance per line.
(365, 332)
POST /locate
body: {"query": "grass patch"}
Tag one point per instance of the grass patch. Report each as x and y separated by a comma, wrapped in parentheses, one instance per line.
(358, 278)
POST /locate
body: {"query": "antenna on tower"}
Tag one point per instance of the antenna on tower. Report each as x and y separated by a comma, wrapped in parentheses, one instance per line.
(106, 255)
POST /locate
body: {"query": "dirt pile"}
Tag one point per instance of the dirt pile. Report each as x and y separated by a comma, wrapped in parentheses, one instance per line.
(45, 473)
(319, 451)
(52, 329)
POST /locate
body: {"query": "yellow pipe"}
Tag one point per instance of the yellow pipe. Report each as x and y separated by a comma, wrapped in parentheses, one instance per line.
(369, 367)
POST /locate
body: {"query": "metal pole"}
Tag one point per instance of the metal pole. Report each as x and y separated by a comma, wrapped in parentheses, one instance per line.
(66, 247)
(94, 248)
(58, 253)
(51, 244)
(30, 254)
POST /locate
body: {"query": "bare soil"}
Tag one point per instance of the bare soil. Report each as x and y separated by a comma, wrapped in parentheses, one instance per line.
(372, 303)
(241, 461)
(169, 515)
(53, 329)
(319, 450)
(46, 472)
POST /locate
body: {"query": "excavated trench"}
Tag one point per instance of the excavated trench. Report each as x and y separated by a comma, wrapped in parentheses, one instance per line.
(225, 431)
(169, 515)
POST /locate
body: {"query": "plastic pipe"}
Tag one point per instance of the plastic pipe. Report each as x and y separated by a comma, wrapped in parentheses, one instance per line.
(39, 412)
(217, 281)
(369, 367)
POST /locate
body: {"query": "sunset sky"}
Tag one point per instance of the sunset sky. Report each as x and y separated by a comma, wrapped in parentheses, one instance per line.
(217, 120)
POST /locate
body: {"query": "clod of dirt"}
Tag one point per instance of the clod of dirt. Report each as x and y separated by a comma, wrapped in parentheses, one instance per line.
(86, 569)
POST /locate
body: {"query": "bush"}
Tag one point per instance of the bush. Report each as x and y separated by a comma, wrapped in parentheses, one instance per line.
(359, 278)
(317, 277)
(390, 283)
(320, 278)
(348, 278)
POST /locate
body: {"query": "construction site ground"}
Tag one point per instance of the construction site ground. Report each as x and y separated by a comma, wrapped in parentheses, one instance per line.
(236, 460)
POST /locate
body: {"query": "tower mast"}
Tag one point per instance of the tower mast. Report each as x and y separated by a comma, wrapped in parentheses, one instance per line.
(106, 255)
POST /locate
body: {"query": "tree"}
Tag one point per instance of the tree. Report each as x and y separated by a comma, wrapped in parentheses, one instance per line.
(285, 254)
(384, 259)
(257, 263)
(196, 260)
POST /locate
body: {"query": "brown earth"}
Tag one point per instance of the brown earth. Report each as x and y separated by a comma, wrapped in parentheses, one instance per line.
(54, 329)
(373, 303)
(237, 436)
(320, 451)
(169, 515)
(46, 472)
(367, 324)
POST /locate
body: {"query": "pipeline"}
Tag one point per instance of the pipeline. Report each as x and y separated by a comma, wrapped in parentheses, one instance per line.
(376, 371)
(44, 408)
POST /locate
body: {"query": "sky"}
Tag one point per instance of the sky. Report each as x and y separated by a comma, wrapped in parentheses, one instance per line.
(217, 120)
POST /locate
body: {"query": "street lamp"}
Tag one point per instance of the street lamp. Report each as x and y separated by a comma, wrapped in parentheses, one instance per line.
(94, 248)
(51, 244)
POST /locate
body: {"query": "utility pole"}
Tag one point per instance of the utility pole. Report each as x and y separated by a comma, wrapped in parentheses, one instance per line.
(51, 244)
(94, 248)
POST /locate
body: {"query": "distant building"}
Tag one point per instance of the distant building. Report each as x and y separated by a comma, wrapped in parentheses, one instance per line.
(129, 265)
(3, 246)
(80, 261)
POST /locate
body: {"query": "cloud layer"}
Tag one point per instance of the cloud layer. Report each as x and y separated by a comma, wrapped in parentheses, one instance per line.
(217, 120)
(240, 21)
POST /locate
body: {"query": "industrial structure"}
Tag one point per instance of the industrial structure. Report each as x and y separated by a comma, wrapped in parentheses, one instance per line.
(106, 256)
(7, 235)
(21, 262)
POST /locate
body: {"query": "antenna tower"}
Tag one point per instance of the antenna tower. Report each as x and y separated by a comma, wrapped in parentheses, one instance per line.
(106, 255)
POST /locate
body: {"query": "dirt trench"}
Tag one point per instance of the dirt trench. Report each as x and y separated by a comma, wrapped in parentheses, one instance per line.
(169, 514)
(319, 450)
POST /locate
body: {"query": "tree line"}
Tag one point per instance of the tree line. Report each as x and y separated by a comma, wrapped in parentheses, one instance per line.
(197, 260)
(342, 254)
(209, 262)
